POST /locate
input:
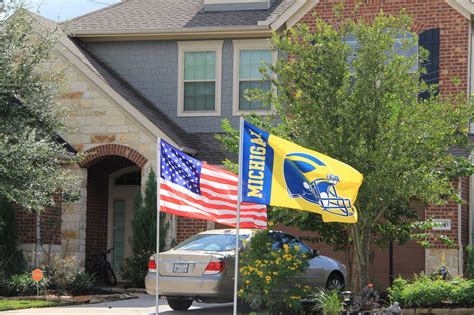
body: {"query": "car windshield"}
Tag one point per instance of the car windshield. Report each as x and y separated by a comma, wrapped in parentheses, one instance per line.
(210, 242)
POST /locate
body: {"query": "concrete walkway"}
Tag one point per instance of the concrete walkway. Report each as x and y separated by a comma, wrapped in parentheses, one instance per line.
(144, 305)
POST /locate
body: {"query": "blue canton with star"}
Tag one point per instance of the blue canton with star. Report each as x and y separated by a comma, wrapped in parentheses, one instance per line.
(180, 168)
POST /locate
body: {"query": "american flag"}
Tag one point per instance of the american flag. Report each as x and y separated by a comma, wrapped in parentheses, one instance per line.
(194, 189)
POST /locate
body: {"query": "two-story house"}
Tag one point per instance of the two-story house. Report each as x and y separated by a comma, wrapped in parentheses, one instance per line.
(143, 69)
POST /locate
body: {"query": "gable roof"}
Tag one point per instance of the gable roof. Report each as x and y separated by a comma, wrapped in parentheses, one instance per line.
(164, 16)
(128, 92)
(123, 92)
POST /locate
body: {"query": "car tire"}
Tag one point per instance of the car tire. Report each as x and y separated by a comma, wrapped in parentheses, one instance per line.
(335, 282)
(179, 304)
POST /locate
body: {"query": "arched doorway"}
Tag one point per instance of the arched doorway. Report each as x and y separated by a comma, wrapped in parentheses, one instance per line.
(114, 175)
(123, 187)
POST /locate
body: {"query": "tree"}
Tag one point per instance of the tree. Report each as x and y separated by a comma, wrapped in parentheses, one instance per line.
(32, 163)
(144, 233)
(362, 105)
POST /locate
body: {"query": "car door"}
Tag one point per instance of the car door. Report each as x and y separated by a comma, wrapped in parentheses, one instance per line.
(314, 273)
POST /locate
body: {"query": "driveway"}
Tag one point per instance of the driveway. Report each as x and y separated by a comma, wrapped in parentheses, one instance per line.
(144, 305)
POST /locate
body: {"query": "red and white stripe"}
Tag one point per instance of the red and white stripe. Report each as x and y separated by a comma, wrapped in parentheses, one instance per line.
(217, 202)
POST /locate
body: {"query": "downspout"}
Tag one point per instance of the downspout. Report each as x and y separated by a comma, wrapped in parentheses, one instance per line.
(460, 249)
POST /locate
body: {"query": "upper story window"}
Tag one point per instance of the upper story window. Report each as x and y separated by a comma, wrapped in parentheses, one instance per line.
(249, 56)
(399, 48)
(199, 78)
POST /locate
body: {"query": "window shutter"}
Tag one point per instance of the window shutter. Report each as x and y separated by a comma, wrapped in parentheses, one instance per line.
(429, 40)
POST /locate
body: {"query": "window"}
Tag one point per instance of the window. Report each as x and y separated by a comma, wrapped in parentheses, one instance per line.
(249, 56)
(210, 242)
(293, 242)
(199, 78)
(398, 48)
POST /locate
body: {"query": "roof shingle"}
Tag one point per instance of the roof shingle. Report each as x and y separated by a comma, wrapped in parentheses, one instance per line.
(147, 16)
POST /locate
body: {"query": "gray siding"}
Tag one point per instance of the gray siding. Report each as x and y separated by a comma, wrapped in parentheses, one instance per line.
(152, 68)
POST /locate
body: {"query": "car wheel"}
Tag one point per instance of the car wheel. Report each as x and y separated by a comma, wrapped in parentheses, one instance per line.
(179, 304)
(335, 282)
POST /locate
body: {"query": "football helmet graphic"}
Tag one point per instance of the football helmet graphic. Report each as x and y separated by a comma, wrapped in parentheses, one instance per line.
(306, 177)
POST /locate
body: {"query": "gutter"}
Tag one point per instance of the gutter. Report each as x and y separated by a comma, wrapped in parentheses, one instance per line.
(175, 31)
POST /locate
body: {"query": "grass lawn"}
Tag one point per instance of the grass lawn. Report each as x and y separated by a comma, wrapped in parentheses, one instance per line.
(19, 304)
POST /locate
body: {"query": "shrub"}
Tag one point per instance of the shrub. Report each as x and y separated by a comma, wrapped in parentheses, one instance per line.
(269, 276)
(423, 291)
(133, 269)
(395, 291)
(11, 258)
(463, 292)
(470, 262)
(3, 284)
(23, 285)
(427, 292)
(82, 283)
(63, 272)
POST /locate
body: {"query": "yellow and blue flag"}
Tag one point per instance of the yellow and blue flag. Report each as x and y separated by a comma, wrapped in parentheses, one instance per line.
(281, 173)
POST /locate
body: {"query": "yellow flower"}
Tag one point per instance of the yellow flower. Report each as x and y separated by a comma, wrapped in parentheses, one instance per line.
(285, 247)
(247, 282)
(268, 279)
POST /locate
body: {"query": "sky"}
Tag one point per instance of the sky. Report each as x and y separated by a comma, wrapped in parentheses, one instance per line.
(61, 10)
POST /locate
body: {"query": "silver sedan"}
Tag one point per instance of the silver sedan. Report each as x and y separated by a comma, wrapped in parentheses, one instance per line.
(201, 268)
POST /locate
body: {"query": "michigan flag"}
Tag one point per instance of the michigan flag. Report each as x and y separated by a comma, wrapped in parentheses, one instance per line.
(280, 173)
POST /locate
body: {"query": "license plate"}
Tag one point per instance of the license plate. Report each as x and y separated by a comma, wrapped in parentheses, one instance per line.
(180, 268)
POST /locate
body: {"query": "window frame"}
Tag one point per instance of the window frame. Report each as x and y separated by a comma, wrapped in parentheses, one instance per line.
(249, 44)
(200, 46)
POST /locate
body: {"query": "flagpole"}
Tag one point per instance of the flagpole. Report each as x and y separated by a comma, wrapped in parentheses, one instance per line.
(237, 221)
(157, 256)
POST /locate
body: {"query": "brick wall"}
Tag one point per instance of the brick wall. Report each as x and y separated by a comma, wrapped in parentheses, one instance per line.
(50, 226)
(25, 226)
(450, 211)
(97, 202)
(186, 227)
(454, 52)
(427, 14)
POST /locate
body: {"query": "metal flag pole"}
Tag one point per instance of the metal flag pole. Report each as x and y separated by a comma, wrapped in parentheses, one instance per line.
(157, 256)
(237, 219)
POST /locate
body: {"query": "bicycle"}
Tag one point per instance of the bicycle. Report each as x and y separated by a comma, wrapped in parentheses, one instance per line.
(102, 269)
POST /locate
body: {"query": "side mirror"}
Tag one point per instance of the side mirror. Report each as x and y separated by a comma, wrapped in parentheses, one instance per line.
(316, 252)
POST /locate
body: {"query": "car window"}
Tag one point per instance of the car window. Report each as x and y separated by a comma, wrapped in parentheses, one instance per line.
(276, 241)
(210, 242)
(293, 242)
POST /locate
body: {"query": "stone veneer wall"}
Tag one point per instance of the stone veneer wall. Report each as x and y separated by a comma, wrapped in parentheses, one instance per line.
(94, 120)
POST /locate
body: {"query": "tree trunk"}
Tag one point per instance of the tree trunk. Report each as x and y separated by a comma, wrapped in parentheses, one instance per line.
(359, 251)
